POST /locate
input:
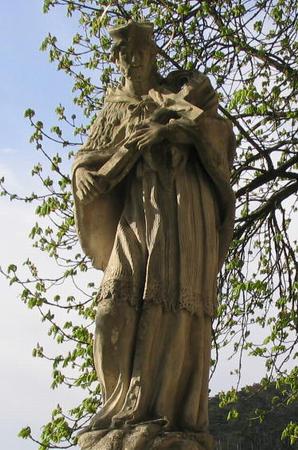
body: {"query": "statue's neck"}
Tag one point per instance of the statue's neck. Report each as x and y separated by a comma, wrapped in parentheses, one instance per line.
(137, 87)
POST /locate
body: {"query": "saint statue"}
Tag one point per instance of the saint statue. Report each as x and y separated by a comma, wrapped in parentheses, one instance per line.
(154, 211)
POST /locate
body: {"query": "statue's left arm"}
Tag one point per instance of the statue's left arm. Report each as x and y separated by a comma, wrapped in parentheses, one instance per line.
(211, 137)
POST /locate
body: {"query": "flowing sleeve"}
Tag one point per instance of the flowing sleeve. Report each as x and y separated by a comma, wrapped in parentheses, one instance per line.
(215, 145)
(96, 221)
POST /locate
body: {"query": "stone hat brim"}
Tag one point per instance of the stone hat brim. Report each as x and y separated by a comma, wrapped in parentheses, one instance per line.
(136, 31)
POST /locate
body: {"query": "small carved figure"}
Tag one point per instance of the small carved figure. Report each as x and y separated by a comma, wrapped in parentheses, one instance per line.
(155, 211)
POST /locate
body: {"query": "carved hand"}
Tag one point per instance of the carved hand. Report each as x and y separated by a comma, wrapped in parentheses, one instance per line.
(148, 134)
(153, 133)
(177, 134)
(89, 184)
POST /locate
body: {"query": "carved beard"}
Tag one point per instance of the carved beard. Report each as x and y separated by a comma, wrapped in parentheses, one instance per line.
(132, 72)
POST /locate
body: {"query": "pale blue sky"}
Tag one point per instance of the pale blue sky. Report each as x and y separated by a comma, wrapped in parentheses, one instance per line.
(28, 80)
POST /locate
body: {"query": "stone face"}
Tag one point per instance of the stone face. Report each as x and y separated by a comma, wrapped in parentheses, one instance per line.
(155, 211)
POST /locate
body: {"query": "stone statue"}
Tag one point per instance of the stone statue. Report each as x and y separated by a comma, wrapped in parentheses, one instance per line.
(155, 211)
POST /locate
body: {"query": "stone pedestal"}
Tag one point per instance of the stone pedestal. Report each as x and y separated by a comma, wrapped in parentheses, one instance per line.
(144, 437)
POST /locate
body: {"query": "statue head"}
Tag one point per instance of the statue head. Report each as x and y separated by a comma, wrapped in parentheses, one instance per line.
(134, 50)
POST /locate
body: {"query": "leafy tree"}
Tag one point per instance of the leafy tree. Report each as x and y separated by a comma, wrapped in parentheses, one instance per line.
(249, 50)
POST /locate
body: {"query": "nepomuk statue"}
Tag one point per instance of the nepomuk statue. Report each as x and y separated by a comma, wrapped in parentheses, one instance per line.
(155, 211)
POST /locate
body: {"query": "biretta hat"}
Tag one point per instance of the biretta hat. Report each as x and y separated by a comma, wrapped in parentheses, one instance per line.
(132, 31)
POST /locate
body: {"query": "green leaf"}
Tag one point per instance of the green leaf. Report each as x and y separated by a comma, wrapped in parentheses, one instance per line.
(29, 113)
(25, 433)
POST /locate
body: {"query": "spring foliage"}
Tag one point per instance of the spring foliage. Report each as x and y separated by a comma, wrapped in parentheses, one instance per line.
(249, 50)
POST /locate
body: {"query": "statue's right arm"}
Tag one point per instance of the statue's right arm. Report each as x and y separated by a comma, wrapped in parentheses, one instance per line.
(85, 185)
(88, 184)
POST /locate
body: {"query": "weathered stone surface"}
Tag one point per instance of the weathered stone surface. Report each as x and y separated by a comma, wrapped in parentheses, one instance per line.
(145, 437)
(155, 211)
(140, 437)
(90, 439)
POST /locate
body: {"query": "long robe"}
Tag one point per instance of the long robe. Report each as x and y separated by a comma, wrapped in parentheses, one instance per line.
(160, 231)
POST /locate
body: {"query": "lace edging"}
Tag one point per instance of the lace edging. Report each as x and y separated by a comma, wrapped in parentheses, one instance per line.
(120, 291)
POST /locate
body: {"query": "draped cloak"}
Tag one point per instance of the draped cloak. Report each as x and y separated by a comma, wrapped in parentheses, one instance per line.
(160, 230)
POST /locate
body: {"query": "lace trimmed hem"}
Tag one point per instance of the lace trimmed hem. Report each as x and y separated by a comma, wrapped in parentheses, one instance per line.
(120, 291)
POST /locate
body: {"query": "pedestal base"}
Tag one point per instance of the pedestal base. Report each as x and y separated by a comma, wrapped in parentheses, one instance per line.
(144, 437)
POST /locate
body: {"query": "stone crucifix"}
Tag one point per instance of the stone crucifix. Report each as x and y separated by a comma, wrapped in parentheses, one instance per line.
(154, 211)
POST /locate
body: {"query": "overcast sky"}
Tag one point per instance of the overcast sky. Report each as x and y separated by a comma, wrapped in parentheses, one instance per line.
(28, 80)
